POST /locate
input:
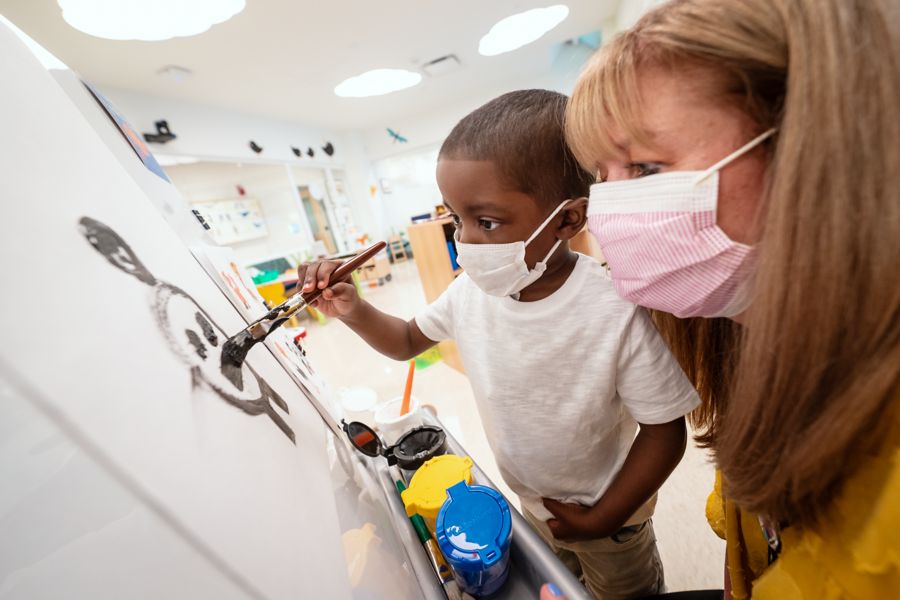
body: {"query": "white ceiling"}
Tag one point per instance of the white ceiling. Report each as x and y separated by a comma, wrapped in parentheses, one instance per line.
(282, 58)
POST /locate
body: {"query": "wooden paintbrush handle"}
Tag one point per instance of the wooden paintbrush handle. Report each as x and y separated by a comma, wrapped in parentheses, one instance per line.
(346, 269)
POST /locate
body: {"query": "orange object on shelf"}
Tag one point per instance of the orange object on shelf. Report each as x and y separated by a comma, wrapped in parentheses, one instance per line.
(407, 393)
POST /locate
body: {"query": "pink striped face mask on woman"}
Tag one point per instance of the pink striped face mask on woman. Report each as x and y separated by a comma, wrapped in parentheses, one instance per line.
(659, 236)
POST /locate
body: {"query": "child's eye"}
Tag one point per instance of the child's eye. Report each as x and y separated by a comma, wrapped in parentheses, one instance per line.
(455, 217)
(487, 224)
(643, 169)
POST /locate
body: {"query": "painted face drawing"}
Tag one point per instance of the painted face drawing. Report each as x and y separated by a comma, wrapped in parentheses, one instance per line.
(191, 334)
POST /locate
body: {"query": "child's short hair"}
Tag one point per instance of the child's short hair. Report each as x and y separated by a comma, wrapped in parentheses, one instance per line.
(522, 133)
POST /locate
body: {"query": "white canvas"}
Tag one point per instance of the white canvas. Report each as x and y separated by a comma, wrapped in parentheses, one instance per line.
(118, 329)
(88, 517)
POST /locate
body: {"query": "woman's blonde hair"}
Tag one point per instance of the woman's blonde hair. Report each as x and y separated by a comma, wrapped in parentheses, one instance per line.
(795, 399)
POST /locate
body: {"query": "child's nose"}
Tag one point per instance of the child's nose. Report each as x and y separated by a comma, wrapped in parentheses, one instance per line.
(462, 238)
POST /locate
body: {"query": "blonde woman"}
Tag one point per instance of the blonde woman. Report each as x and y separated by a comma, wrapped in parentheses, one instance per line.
(748, 163)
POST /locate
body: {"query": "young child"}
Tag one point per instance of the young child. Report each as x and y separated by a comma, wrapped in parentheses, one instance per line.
(564, 372)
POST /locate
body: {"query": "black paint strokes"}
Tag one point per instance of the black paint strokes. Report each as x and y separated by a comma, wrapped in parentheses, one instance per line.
(234, 353)
(188, 344)
(235, 349)
(108, 243)
(196, 342)
(208, 332)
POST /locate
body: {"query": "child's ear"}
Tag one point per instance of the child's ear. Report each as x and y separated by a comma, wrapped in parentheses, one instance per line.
(574, 218)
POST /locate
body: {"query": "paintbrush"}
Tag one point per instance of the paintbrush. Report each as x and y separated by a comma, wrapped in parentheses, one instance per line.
(235, 349)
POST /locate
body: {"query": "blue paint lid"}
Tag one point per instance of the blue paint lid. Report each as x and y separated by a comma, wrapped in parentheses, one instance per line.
(474, 526)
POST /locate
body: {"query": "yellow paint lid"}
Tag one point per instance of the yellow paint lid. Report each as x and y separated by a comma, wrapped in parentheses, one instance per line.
(427, 490)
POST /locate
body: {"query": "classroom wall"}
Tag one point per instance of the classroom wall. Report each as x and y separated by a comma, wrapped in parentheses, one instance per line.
(207, 132)
(407, 187)
(288, 231)
(362, 185)
(212, 133)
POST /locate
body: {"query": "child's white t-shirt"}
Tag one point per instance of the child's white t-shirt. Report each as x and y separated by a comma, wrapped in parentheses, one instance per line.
(561, 383)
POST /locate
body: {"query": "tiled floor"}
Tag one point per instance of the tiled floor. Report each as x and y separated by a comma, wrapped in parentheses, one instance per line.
(692, 555)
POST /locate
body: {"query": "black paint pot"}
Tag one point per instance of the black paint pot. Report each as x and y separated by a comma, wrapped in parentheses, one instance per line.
(411, 451)
(418, 446)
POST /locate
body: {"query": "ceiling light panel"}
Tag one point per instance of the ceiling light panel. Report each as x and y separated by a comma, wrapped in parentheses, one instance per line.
(377, 82)
(520, 29)
(147, 20)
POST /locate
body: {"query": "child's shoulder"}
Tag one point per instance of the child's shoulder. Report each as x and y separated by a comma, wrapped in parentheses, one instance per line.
(597, 293)
(591, 265)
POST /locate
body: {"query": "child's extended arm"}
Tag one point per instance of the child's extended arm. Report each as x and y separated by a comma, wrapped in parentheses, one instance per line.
(393, 337)
(655, 453)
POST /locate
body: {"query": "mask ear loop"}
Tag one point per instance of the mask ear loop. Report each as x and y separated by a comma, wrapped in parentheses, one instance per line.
(735, 155)
(538, 231)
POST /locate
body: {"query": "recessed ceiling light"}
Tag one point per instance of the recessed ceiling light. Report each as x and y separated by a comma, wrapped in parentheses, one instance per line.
(515, 31)
(377, 82)
(147, 20)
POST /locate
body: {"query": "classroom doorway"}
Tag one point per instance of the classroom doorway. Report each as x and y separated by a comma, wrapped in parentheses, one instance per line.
(319, 222)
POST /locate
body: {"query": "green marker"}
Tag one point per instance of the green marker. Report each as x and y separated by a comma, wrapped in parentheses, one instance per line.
(434, 553)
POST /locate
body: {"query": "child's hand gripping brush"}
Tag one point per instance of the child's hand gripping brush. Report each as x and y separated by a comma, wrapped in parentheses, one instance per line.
(235, 349)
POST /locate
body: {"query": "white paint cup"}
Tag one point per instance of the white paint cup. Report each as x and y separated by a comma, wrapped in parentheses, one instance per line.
(359, 404)
(391, 425)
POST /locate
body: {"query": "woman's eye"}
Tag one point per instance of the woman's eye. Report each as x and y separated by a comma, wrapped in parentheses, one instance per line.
(643, 169)
(487, 224)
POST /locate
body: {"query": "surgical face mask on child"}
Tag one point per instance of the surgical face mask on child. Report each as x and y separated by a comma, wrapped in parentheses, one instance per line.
(664, 249)
(500, 269)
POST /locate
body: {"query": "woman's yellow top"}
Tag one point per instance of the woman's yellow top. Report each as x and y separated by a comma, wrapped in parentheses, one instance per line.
(854, 554)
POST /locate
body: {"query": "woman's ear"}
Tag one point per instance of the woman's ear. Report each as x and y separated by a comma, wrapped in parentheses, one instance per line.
(574, 218)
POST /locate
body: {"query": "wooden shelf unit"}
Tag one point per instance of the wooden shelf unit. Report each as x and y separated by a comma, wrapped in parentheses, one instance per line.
(429, 248)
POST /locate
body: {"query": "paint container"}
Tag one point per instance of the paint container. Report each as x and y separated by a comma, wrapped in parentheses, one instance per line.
(474, 530)
(359, 404)
(417, 447)
(391, 424)
(427, 490)
(411, 451)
